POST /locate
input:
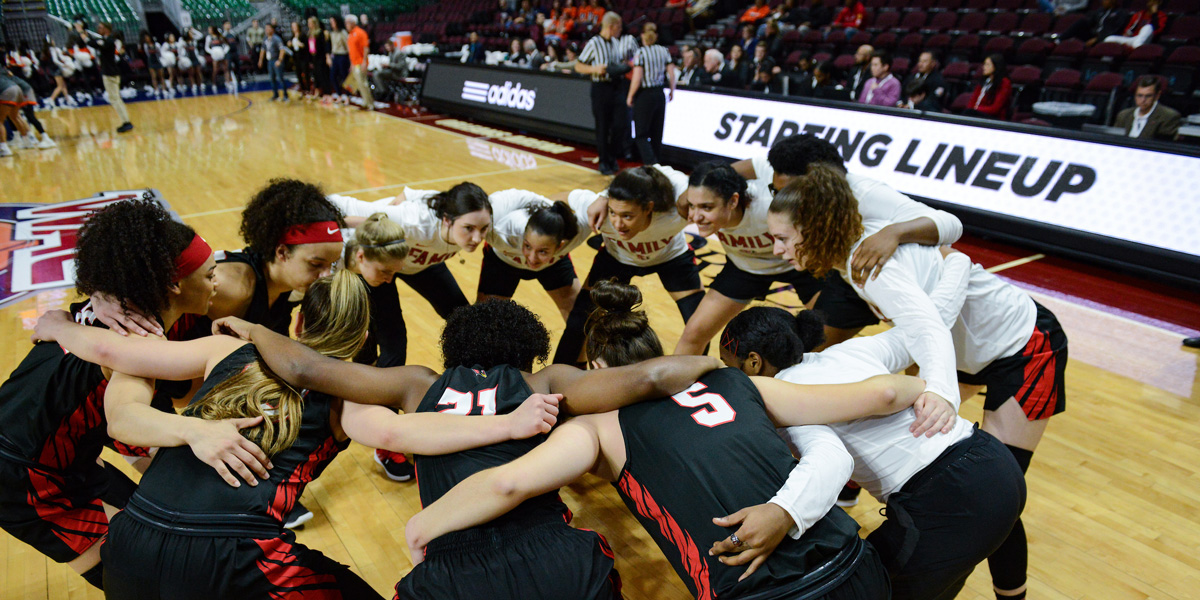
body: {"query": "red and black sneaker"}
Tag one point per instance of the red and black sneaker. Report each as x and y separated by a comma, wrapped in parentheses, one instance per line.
(395, 465)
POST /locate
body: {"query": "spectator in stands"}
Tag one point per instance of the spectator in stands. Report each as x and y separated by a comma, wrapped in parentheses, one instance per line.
(926, 71)
(766, 80)
(1147, 119)
(272, 53)
(1142, 26)
(919, 97)
(369, 28)
(739, 64)
(689, 67)
(815, 16)
(558, 26)
(850, 17)
(554, 57)
(748, 41)
(800, 79)
(883, 89)
(774, 41)
(339, 58)
(993, 93)
(526, 15)
(861, 71)
(606, 58)
(570, 11)
(357, 43)
(824, 86)
(1107, 21)
(594, 12)
(475, 53)
(1062, 7)
(717, 73)
(505, 13)
(395, 71)
(533, 57)
(254, 37)
(788, 15)
(755, 13)
(318, 50)
(516, 54)
(108, 48)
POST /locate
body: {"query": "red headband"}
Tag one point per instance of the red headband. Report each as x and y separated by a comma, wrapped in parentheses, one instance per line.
(312, 233)
(192, 257)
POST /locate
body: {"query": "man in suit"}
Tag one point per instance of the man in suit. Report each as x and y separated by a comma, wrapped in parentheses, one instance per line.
(1109, 20)
(926, 72)
(717, 73)
(860, 73)
(1147, 119)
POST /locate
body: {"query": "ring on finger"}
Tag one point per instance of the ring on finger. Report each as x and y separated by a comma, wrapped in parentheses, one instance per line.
(736, 541)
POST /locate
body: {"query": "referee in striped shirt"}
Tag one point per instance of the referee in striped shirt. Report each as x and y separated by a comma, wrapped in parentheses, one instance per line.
(606, 58)
(652, 69)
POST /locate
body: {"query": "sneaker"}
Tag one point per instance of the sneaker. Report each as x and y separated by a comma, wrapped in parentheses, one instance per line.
(395, 465)
(297, 517)
(23, 142)
(849, 495)
(46, 142)
(6, 151)
(125, 127)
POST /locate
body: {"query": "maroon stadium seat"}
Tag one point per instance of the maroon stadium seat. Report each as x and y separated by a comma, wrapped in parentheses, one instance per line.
(941, 22)
(1033, 51)
(1034, 24)
(1001, 24)
(971, 22)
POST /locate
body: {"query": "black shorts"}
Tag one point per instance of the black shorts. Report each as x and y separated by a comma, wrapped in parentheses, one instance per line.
(550, 561)
(838, 302)
(144, 561)
(1035, 377)
(680, 274)
(60, 515)
(949, 517)
(498, 278)
(437, 285)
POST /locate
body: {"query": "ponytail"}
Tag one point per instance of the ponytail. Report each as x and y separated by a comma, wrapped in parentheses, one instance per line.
(380, 239)
(823, 207)
(459, 200)
(556, 220)
(336, 315)
(645, 186)
(720, 179)
(616, 332)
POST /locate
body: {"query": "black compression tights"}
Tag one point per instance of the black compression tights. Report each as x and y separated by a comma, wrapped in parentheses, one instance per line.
(1009, 563)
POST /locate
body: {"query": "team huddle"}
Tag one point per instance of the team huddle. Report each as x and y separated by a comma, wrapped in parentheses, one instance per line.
(733, 466)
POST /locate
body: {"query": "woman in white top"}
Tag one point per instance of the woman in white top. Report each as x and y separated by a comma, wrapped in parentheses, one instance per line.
(1001, 339)
(218, 51)
(436, 226)
(62, 66)
(951, 498)
(646, 210)
(531, 238)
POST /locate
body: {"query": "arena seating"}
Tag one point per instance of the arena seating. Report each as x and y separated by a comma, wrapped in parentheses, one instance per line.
(212, 12)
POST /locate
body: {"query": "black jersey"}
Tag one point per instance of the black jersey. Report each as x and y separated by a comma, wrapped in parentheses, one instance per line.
(206, 500)
(708, 452)
(277, 315)
(497, 391)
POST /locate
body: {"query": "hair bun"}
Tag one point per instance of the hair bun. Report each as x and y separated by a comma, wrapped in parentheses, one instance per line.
(810, 326)
(616, 297)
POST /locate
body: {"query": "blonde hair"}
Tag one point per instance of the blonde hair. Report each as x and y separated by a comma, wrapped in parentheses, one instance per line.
(823, 207)
(336, 315)
(380, 239)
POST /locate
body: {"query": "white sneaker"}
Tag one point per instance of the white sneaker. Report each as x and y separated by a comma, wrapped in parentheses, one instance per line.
(21, 143)
(31, 140)
(5, 150)
(46, 142)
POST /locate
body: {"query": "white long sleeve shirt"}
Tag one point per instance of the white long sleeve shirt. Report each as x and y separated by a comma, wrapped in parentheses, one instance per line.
(747, 244)
(885, 453)
(813, 485)
(423, 229)
(510, 217)
(661, 241)
(880, 205)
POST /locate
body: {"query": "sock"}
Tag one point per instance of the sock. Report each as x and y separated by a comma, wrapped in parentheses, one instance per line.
(1009, 563)
(95, 576)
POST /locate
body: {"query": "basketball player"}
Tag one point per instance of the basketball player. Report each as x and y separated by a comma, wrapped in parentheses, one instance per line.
(903, 221)
(641, 217)
(500, 340)
(1001, 339)
(436, 225)
(951, 499)
(210, 539)
(531, 238)
(684, 459)
(53, 489)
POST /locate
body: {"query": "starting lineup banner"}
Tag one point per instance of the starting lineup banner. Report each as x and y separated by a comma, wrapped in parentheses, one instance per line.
(1136, 195)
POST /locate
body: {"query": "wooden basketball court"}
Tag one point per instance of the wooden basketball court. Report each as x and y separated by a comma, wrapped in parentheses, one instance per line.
(1114, 490)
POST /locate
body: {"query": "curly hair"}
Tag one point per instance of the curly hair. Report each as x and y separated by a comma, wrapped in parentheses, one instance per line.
(280, 205)
(823, 207)
(794, 154)
(496, 332)
(127, 250)
(645, 186)
(616, 332)
(778, 337)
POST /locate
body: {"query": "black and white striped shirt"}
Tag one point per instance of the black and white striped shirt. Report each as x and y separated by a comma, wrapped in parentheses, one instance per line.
(653, 60)
(600, 51)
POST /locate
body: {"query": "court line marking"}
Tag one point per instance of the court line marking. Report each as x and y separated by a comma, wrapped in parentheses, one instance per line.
(1015, 263)
(384, 187)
